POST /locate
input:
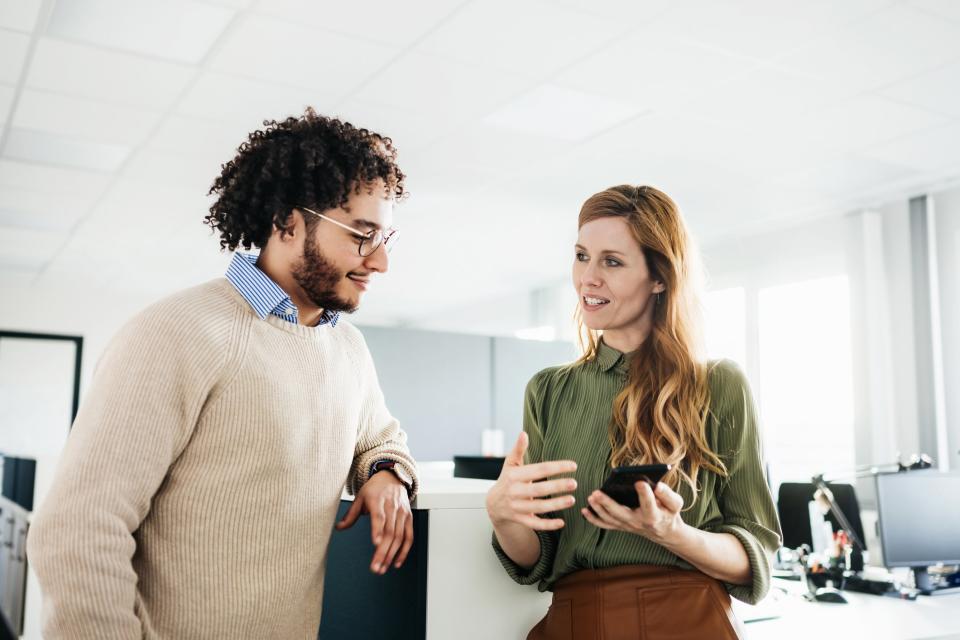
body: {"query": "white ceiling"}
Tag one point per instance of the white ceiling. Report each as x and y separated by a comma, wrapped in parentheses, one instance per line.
(116, 115)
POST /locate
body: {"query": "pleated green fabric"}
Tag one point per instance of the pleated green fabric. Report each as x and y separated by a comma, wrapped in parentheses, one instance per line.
(567, 412)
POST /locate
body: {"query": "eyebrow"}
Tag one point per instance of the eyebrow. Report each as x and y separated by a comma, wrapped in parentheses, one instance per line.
(373, 226)
(619, 253)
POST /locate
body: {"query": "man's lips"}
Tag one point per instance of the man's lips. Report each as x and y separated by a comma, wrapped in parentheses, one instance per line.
(361, 281)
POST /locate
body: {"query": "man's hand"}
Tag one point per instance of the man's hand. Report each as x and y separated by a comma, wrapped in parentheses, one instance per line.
(385, 498)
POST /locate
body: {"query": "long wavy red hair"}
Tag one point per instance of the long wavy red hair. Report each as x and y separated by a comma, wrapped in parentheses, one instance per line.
(660, 415)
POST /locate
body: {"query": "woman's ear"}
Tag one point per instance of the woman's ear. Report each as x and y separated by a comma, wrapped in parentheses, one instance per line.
(659, 287)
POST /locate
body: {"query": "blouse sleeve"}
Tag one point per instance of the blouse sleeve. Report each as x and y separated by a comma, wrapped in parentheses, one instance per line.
(548, 539)
(744, 498)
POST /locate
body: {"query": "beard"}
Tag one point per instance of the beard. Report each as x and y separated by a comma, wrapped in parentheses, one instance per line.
(318, 278)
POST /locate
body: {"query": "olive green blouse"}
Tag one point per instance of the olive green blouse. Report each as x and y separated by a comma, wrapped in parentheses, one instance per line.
(567, 412)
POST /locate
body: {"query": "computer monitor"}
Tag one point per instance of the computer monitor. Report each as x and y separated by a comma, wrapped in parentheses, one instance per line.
(792, 501)
(919, 520)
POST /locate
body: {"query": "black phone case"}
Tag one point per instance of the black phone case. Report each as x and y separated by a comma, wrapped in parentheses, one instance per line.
(619, 484)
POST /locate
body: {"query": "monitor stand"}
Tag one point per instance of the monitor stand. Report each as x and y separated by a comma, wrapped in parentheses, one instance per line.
(925, 585)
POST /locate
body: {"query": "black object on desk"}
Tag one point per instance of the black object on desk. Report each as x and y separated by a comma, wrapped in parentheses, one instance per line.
(792, 501)
(482, 467)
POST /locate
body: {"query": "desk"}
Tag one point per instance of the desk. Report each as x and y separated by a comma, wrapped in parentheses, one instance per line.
(452, 586)
(864, 616)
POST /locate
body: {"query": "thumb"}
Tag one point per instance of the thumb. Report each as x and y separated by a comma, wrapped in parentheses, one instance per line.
(351, 515)
(515, 457)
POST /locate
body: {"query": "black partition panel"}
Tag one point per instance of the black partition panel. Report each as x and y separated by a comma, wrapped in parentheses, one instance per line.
(359, 604)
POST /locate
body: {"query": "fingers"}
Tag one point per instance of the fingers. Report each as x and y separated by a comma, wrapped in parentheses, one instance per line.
(351, 515)
(608, 509)
(397, 538)
(648, 502)
(378, 519)
(381, 532)
(543, 488)
(515, 457)
(671, 500)
(407, 542)
(544, 506)
(594, 520)
(534, 472)
(540, 524)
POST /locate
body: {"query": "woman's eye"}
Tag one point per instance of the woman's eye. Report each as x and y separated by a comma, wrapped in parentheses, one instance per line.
(582, 257)
(612, 263)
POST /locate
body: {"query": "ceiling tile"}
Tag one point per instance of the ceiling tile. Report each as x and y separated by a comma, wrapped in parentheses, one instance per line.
(13, 52)
(38, 177)
(889, 46)
(948, 9)
(652, 70)
(764, 97)
(183, 31)
(299, 56)
(82, 118)
(561, 113)
(860, 122)
(443, 90)
(847, 176)
(933, 150)
(248, 101)
(497, 149)
(39, 210)
(532, 38)
(937, 90)
(760, 29)
(637, 12)
(20, 15)
(92, 72)
(193, 172)
(28, 248)
(397, 23)
(64, 151)
(6, 99)
(409, 130)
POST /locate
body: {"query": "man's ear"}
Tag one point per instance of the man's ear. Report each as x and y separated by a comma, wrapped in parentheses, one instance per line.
(287, 230)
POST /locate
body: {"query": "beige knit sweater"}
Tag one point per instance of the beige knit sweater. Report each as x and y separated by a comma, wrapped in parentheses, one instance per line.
(198, 488)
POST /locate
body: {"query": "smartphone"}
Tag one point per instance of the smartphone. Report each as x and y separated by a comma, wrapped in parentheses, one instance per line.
(619, 485)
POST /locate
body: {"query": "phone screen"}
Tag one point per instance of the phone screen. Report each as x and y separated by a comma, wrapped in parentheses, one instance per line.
(619, 485)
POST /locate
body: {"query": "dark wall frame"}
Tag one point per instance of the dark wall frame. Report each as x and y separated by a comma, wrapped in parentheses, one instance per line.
(77, 361)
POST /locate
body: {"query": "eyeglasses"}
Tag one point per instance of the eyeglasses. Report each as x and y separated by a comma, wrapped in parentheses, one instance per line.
(370, 241)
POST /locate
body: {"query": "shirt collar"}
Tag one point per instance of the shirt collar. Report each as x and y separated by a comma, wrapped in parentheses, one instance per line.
(264, 295)
(607, 358)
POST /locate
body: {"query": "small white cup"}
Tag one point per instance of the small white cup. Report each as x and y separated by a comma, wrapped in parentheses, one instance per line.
(491, 443)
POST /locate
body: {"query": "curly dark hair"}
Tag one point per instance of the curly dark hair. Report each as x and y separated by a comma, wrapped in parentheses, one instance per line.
(309, 161)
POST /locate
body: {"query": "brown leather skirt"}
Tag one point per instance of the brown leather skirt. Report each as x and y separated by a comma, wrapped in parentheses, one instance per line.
(638, 602)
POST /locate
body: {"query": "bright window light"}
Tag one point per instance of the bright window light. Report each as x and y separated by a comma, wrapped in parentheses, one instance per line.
(725, 325)
(805, 378)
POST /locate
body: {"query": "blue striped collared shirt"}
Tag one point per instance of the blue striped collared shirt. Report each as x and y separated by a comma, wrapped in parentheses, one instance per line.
(263, 294)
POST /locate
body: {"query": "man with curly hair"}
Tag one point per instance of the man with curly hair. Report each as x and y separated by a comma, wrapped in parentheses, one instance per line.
(198, 489)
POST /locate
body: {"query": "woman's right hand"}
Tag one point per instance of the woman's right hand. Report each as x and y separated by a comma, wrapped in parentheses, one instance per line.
(520, 493)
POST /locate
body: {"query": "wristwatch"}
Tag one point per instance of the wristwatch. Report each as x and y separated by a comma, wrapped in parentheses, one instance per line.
(390, 465)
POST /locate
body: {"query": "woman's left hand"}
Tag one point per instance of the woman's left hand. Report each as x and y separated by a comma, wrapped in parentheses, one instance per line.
(657, 518)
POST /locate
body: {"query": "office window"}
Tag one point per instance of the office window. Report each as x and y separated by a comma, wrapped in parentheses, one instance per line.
(805, 386)
(725, 332)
